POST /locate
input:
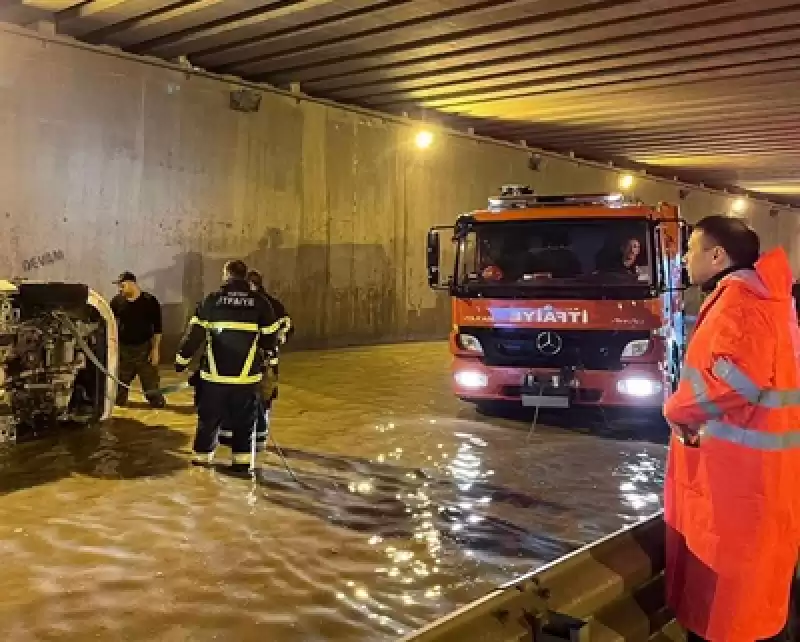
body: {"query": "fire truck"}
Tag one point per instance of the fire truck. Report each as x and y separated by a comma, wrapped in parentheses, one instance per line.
(563, 300)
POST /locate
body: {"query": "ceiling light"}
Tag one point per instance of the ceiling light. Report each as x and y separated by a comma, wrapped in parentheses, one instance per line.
(424, 139)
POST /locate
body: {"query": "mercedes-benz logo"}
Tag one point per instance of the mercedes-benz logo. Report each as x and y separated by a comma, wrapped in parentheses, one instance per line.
(549, 343)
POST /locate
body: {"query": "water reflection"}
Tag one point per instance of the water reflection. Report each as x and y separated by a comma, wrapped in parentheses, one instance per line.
(642, 480)
(397, 518)
(429, 527)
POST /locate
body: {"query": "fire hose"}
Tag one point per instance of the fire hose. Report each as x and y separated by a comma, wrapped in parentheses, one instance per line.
(177, 387)
(163, 390)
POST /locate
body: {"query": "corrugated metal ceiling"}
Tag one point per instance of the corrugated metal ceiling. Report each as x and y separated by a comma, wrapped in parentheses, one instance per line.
(702, 89)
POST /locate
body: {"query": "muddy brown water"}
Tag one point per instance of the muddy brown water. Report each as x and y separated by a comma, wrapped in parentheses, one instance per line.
(409, 505)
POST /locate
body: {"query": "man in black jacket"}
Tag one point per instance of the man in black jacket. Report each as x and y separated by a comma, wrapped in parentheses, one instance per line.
(138, 315)
(269, 384)
(233, 326)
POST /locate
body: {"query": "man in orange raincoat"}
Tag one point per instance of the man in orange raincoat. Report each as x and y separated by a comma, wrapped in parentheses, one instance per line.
(732, 492)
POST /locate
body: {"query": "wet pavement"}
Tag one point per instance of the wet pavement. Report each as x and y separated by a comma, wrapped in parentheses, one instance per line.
(409, 504)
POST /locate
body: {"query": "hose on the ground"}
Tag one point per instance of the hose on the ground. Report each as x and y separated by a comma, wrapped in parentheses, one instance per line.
(67, 322)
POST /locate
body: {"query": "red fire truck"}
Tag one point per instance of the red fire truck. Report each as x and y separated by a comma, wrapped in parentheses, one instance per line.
(564, 300)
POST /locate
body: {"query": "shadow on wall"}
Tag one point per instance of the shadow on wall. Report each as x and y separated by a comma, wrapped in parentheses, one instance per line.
(366, 303)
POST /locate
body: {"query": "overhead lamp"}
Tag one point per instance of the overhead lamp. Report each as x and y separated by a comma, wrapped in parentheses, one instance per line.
(739, 205)
(625, 181)
(424, 139)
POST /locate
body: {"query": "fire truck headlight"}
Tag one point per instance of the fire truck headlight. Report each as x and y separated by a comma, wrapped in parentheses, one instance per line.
(471, 379)
(469, 343)
(636, 348)
(638, 387)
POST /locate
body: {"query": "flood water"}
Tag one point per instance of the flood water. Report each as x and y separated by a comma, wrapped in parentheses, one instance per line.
(408, 505)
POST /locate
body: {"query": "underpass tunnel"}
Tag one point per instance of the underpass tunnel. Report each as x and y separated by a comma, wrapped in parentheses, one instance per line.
(321, 143)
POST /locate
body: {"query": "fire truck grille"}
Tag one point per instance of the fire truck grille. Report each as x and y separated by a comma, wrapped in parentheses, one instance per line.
(545, 348)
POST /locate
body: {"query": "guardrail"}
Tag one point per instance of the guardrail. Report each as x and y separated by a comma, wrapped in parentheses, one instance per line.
(611, 590)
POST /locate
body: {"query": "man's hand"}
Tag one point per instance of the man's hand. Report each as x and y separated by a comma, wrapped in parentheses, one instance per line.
(155, 357)
(689, 435)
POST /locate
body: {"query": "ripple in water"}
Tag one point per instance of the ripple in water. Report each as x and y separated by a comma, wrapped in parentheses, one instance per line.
(107, 534)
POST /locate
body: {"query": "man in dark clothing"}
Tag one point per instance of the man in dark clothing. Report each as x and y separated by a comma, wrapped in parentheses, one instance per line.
(286, 330)
(269, 384)
(233, 326)
(138, 316)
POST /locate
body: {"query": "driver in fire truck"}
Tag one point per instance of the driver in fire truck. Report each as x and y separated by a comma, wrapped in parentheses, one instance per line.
(504, 258)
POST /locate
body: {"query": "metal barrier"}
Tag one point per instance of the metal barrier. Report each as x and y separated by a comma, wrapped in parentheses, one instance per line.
(609, 591)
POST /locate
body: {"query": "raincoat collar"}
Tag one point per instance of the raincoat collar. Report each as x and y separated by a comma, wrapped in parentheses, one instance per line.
(770, 277)
(709, 285)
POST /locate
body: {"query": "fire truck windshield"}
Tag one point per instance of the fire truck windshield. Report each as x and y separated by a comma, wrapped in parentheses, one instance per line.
(611, 253)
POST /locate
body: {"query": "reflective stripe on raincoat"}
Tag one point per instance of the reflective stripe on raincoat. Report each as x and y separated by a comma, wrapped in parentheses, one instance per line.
(732, 496)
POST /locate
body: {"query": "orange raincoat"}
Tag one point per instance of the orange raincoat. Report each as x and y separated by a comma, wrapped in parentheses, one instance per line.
(732, 494)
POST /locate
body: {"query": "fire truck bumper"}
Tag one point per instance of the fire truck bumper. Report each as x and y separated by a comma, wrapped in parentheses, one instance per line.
(636, 385)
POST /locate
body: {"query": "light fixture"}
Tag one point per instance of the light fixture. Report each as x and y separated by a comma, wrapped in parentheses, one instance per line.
(739, 205)
(639, 387)
(471, 379)
(424, 139)
(469, 343)
(625, 181)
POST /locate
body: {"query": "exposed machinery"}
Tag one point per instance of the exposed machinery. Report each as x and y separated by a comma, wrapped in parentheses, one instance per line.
(46, 375)
(564, 300)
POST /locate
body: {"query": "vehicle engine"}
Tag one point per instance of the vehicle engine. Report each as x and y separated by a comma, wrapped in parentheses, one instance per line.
(46, 378)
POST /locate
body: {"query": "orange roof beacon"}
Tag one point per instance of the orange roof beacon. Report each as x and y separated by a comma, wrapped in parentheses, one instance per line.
(567, 300)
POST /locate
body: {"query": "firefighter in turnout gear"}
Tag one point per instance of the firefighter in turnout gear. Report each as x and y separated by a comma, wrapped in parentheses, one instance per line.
(269, 384)
(235, 327)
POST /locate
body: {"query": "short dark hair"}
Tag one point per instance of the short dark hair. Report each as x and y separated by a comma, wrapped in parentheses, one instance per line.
(254, 276)
(236, 269)
(733, 235)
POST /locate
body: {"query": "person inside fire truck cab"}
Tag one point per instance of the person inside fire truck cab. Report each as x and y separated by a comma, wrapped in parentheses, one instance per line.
(233, 326)
(555, 258)
(619, 258)
(731, 495)
(630, 255)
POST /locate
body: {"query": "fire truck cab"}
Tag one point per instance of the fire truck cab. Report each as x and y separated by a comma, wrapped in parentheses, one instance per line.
(564, 300)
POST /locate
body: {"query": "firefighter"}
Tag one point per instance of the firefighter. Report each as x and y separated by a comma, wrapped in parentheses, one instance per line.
(731, 495)
(235, 327)
(269, 384)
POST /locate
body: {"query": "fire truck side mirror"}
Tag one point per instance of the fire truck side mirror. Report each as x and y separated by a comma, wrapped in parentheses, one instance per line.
(685, 233)
(434, 253)
(685, 230)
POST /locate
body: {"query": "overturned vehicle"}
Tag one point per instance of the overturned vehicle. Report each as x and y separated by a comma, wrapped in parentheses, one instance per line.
(58, 346)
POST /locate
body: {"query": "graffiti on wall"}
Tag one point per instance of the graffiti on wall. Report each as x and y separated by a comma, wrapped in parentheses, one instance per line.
(41, 260)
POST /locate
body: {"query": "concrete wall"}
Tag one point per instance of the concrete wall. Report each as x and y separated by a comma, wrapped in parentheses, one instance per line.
(109, 164)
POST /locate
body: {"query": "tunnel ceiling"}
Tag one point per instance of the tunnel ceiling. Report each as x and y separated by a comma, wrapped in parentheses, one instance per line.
(704, 90)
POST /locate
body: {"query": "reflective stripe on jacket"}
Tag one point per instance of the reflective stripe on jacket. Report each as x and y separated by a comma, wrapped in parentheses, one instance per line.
(732, 497)
(286, 328)
(237, 328)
